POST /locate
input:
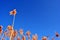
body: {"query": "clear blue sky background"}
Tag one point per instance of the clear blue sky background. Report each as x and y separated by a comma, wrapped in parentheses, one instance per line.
(38, 16)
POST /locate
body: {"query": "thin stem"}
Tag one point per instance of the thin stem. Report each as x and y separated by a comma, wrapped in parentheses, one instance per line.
(11, 35)
(12, 26)
(13, 21)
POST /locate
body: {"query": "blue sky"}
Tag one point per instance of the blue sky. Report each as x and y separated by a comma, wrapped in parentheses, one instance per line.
(38, 16)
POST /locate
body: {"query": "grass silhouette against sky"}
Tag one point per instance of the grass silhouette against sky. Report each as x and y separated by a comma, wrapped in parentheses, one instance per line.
(38, 16)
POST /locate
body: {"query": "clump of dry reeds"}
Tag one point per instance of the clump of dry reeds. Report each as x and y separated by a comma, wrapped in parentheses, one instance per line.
(13, 34)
